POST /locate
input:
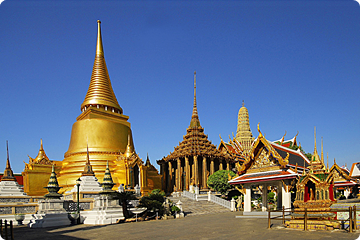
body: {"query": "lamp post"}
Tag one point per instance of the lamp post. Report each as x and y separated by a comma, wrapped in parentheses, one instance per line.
(78, 181)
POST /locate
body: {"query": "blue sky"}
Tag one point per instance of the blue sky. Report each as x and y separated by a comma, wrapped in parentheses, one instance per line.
(294, 63)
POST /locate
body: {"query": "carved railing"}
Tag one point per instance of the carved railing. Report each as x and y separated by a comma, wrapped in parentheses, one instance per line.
(190, 195)
(220, 201)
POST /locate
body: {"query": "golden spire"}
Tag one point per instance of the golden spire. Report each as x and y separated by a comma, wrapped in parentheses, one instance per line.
(100, 91)
(8, 173)
(315, 156)
(88, 168)
(195, 122)
(41, 155)
(129, 148)
(322, 151)
(327, 161)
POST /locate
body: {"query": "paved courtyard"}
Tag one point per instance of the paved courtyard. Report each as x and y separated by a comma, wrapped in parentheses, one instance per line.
(206, 226)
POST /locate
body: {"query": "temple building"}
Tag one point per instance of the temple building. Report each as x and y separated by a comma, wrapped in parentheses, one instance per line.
(101, 132)
(194, 159)
(269, 165)
(263, 165)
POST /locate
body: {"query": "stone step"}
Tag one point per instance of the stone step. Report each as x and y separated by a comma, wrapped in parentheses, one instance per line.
(191, 207)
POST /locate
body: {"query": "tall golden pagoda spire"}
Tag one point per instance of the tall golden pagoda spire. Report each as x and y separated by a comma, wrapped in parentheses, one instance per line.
(315, 155)
(8, 173)
(100, 92)
(195, 122)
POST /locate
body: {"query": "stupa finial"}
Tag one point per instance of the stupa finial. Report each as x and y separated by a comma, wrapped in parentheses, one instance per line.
(8, 173)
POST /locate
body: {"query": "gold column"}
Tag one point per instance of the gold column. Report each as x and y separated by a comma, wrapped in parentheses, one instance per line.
(196, 171)
(212, 168)
(227, 166)
(170, 178)
(178, 170)
(187, 172)
(204, 173)
(163, 170)
(221, 165)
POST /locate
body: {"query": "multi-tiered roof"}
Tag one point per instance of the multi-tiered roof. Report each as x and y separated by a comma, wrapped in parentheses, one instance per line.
(195, 142)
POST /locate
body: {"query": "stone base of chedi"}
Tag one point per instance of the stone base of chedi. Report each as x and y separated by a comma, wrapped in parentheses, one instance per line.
(51, 214)
(105, 211)
(10, 188)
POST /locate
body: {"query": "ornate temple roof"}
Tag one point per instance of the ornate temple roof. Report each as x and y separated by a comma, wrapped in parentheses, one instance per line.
(100, 91)
(41, 158)
(195, 142)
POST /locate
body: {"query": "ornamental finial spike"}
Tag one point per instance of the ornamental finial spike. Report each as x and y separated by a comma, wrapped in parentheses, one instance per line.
(99, 46)
(258, 127)
(243, 103)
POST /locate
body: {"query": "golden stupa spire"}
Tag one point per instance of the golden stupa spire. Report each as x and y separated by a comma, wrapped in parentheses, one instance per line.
(100, 92)
(88, 171)
(195, 122)
(8, 173)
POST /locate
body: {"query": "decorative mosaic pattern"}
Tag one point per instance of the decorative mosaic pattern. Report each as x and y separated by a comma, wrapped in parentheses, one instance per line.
(7, 200)
(5, 210)
(29, 209)
(90, 195)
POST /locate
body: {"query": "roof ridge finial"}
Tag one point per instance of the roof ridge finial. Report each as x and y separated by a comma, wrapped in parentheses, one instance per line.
(243, 103)
(41, 144)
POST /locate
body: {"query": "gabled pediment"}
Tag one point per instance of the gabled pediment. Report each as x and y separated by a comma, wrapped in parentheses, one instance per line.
(263, 153)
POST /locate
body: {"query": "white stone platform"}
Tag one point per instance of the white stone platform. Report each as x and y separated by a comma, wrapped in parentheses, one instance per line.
(105, 211)
(51, 213)
(11, 188)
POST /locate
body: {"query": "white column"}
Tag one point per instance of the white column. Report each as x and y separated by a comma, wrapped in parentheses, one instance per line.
(247, 199)
(286, 198)
(264, 197)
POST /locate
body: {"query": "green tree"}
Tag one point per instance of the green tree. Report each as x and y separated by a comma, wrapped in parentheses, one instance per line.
(124, 198)
(219, 181)
(154, 201)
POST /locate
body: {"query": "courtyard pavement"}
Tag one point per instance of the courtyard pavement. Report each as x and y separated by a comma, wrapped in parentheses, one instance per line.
(206, 226)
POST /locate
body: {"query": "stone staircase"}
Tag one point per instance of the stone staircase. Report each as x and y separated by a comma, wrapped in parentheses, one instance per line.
(191, 207)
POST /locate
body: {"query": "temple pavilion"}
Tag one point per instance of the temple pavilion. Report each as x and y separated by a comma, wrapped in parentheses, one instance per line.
(194, 159)
(102, 134)
(263, 165)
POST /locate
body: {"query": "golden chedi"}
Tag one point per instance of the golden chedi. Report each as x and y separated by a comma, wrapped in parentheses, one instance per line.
(100, 134)
(103, 127)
